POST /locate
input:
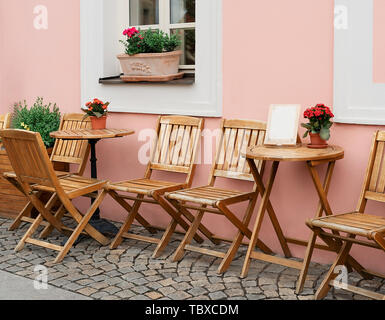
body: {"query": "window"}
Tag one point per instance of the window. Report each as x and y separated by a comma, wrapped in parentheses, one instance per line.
(200, 24)
(358, 96)
(170, 16)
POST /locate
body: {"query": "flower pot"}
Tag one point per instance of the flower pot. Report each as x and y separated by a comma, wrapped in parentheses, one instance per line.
(150, 66)
(316, 142)
(98, 123)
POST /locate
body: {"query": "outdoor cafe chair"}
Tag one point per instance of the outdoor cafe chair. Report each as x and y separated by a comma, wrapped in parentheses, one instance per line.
(369, 228)
(71, 152)
(35, 173)
(237, 135)
(174, 151)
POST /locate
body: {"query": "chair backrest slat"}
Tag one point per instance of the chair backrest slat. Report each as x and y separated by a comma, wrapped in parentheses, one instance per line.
(237, 136)
(176, 143)
(28, 157)
(72, 151)
(374, 182)
(5, 123)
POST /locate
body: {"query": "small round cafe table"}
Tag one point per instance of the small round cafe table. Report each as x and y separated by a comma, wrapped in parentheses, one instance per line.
(312, 158)
(93, 137)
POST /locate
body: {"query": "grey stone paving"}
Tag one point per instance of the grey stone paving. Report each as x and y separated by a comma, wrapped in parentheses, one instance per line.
(14, 287)
(129, 272)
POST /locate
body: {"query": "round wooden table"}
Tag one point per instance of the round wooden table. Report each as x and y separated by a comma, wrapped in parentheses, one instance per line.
(312, 158)
(93, 137)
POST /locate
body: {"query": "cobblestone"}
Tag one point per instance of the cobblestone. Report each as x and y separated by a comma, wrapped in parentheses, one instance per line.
(129, 272)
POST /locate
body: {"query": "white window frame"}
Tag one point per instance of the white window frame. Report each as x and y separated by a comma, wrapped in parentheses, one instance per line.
(357, 99)
(165, 24)
(99, 46)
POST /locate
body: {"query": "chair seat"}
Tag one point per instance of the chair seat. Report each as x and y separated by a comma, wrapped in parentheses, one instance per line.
(74, 186)
(145, 186)
(206, 195)
(354, 223)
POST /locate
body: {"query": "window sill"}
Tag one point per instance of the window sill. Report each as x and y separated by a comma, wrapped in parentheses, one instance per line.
(188, 79)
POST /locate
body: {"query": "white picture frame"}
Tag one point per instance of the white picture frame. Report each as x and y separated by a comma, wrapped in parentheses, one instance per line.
(282, 125)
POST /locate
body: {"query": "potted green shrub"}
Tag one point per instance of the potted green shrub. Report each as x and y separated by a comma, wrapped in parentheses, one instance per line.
(150, 55)
(42, 118)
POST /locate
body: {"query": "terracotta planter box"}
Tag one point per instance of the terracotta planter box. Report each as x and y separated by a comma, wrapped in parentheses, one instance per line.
(150, 66)
(12, 201)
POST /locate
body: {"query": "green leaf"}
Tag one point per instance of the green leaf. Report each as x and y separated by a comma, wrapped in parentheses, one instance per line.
(306, 134)
(306, 125)
(328, 125)
(325, 133)
(97, 114)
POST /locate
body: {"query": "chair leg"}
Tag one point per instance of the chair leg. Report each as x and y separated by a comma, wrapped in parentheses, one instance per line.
(189, 216)
(77, 216)
(165, 239)
(128, 208)
(230, 254)
(350, 261)
(341, 258)
(179, 253)
(380, 240)
(29, 233)
(51, 202)
(306, 263)
(49, 229)
(80, 227)
(17, 222)
(129, 220)
(175, 215)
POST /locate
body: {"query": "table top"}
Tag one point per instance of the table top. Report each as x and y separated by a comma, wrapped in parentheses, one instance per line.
(89, 134)
(302, 153)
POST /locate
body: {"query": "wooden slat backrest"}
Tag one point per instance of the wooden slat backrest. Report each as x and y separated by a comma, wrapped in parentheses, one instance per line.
(374, 182)
(5, 123)
(72, 151)
(28, 157)
(237, 135)
(176, 144)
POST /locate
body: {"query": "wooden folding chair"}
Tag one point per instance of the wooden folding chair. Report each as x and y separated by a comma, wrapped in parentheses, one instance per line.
(237, 135)
(71, 152)
(175, 151)
(354, 224)
(35, 174)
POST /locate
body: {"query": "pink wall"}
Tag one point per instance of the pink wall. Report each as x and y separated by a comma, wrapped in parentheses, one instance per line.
(285, 49)
(379, 45)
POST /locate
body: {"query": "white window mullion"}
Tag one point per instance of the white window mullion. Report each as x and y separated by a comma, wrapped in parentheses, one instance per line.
(164, 15)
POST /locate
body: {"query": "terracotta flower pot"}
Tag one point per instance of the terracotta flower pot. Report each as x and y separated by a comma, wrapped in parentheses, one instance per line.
(316, 142)
(149, 65)
(98, 123)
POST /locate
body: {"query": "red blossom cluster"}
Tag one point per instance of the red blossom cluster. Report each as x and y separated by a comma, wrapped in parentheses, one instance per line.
(320, 111)
(130, 32)
(96, 103)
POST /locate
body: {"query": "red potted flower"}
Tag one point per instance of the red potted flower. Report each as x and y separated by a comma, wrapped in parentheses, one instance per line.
(319, 125)
(97, 111)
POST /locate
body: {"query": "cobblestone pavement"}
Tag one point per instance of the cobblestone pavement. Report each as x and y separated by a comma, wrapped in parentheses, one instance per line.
(130, 273)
